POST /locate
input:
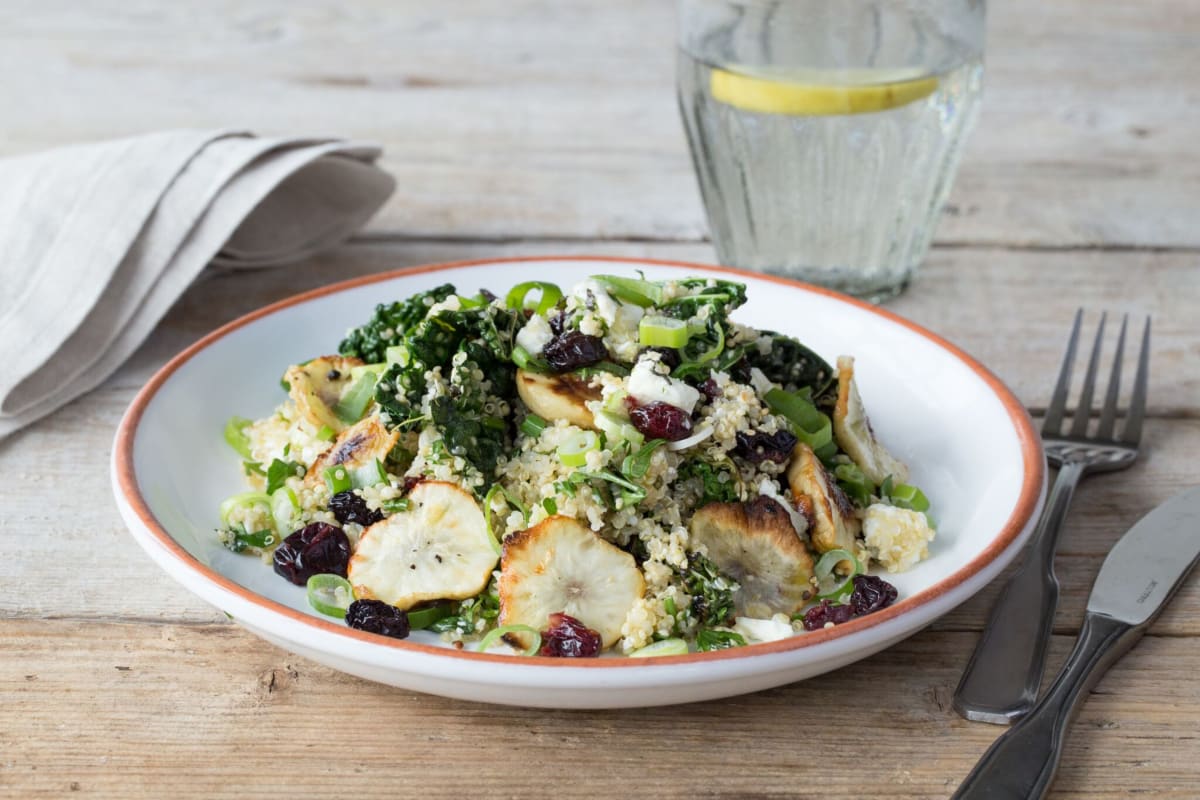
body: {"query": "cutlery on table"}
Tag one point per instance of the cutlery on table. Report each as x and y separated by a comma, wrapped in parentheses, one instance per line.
(1138, 578)
(1001, 680)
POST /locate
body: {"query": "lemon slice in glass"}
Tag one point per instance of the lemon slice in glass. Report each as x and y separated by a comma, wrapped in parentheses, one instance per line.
(820, 94)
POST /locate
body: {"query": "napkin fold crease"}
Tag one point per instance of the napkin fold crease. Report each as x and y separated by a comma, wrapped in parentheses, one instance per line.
(102, 239)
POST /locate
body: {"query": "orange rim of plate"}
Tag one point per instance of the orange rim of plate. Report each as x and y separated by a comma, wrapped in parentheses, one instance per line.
(1031, 452)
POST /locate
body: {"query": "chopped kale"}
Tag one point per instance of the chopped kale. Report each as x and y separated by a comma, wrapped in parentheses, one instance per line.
(713, 488)
(711, 590)
(473, 348)
(792, 365)
(389, 323)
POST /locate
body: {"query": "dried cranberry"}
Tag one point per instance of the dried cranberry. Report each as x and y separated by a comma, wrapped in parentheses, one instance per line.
(567, 637)
(710, 389)
(667, 355)
(376, 616)
(411, 482)
(350, 507)
(818, 616)
(558, 322)
(871, 594)
(757, 447)
(573, 350)
(660, 420)
(312, 550)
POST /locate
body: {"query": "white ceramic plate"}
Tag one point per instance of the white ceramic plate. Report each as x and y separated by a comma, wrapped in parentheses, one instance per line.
(968, 441)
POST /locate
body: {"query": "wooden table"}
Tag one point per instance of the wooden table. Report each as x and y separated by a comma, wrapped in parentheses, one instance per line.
(550, 127)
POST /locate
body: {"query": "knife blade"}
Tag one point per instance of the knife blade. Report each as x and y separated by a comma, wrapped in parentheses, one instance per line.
(1139, 576)
(1147, 564)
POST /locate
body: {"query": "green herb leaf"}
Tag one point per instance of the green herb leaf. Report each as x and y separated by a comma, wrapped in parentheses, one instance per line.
(708, 639)
(280, 471)
(634, 465)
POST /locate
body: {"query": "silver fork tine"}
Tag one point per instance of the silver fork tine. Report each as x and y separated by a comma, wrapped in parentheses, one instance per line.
(1058, 402)
(1108, 416)
(1083, 411)
(1137, 403)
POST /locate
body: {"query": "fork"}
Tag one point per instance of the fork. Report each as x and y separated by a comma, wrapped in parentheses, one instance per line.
(1001, 681)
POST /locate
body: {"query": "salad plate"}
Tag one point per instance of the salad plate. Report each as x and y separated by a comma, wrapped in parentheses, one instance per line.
(967, 440)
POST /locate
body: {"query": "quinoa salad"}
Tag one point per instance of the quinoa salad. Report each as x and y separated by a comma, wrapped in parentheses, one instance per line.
(621, 466)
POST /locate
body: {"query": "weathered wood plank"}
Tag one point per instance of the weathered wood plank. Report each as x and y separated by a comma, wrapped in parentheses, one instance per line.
(560, 119)
(136, 711)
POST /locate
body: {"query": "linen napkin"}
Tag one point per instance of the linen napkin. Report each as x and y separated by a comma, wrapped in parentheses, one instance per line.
(97, 241)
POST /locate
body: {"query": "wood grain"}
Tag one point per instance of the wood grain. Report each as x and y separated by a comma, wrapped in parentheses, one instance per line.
(559, 118)
(137, 710)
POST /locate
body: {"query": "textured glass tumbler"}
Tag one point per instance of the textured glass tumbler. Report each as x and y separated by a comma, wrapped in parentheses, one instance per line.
(826, 133)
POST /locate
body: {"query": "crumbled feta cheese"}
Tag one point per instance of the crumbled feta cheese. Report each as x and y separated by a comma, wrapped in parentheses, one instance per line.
(646, 386)
(896, 537)
(763, 630)
(535, 335)
(606, 306)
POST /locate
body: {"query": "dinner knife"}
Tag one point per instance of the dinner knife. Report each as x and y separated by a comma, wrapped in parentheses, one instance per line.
(1141, 573)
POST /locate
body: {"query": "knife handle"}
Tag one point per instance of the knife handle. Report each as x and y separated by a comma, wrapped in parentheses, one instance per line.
(1002, 678)
(1021, 764)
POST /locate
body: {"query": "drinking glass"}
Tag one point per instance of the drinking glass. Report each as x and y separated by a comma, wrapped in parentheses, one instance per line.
(826, 133)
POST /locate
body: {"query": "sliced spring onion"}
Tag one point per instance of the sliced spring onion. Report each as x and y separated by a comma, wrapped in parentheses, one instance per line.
(905, 496)
(691, 441)
(669, 606)
(854, 483)
(533, 425)
(829, 585)
(655, 331)
(666, 647)
(810, 425)
(371, 474)
(632, 290)
(243, 500)
(550, 505)
(493, 540)
(494, 635)
(337, 478)
(353, 404)
(284, 505)
(421, 618)
(326, 434)
(235, 435)
(618, 429)
(330, 594)
(397, 354)
(363, 369)
(526, 361)
(517, 296)
(635, 464)
(573, 451)
(396, 506)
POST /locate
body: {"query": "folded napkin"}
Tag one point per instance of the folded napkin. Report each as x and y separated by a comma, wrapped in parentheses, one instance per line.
(99, 240)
